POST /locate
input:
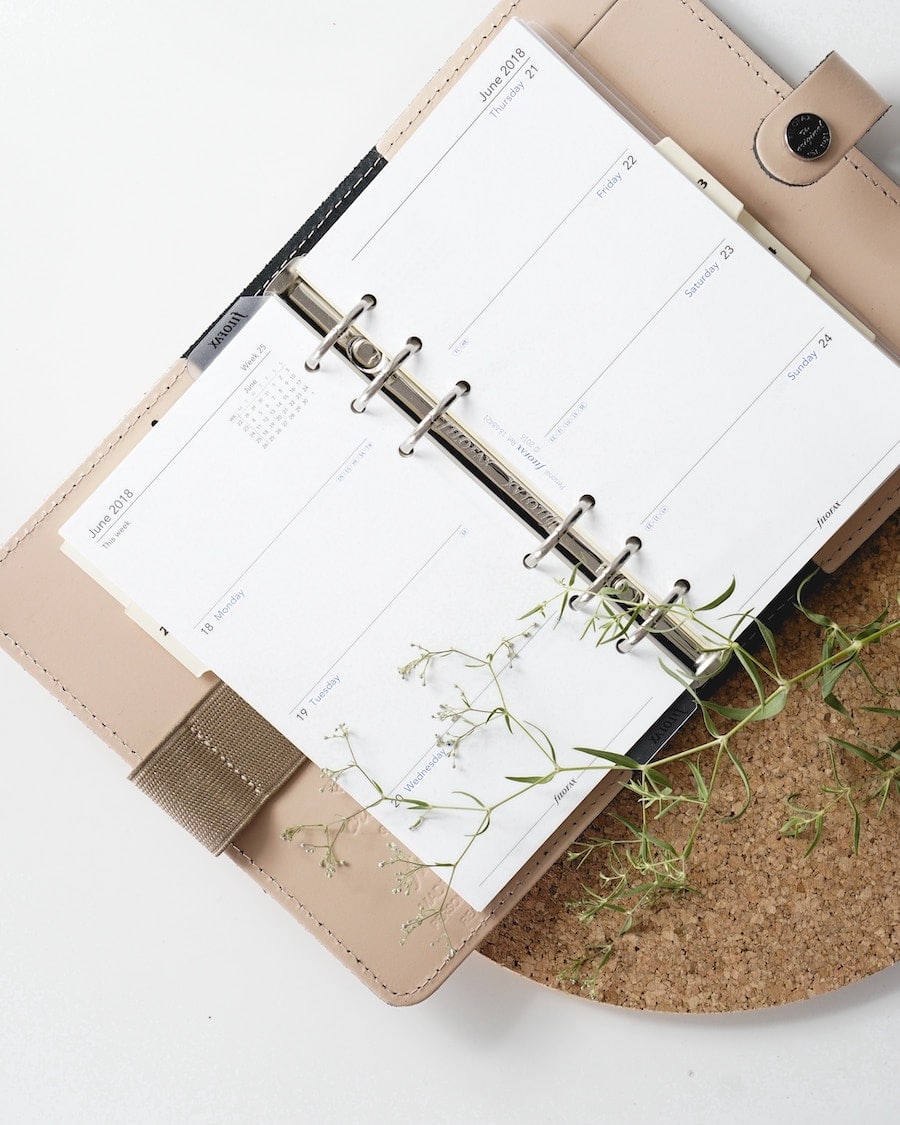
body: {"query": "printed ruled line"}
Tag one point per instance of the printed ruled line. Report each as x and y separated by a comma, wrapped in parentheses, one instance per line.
(484, 109)
(540, 246)
(550, 808)
(377, 616)
(279, 534)
(637, 335)
(742, 414)
(747, 606)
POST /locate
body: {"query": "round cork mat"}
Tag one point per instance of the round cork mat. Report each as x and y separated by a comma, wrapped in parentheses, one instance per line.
(765, 924)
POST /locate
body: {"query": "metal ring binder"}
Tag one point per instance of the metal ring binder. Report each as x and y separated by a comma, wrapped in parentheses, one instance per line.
(534, 557)
(296, 291)
(457, 391)
(627, 643)
(608, 573)
(367, 301)
(412, 345)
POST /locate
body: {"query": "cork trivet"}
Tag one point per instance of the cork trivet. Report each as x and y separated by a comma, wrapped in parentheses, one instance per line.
(765, 925)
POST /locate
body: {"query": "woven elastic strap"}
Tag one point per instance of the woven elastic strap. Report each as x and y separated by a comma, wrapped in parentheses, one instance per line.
(215, 771)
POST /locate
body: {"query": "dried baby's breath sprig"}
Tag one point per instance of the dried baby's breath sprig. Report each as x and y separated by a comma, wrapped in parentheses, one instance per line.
(323, 838)
(635, 872)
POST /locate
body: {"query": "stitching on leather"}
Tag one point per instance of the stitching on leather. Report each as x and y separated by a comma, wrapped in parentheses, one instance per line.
(706, 23)
(511, 890)
(43, 515)
(875, 184)
(62, 687)
(226, 761)
(90, 468)
(39, 519)
(453, 73)
(331, 210)
(877, 516)
(709, 27)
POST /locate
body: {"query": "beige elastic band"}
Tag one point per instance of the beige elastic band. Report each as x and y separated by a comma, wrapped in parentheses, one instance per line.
(216, 769)
(838, 95)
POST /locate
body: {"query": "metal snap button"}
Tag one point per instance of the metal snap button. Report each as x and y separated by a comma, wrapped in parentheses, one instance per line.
(807, 135)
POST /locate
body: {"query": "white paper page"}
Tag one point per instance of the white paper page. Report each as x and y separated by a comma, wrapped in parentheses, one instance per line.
(283, 541)
(621, 335)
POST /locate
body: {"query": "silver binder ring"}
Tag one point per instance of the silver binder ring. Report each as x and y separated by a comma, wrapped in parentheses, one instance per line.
(627, 643)
(412, 345)
(367, 301)
(457, 391)
(608, 573)
(534, 557)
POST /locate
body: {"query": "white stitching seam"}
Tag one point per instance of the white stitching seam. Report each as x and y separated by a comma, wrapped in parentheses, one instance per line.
(226, 761)
(706, 23)
(504, 16)
(43, 515)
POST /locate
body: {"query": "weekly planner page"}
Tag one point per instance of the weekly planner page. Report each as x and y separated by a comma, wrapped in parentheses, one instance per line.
(282, 541)
(622, 336)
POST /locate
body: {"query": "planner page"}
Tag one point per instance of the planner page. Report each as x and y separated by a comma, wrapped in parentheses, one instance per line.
(282, 541)
(622, 336)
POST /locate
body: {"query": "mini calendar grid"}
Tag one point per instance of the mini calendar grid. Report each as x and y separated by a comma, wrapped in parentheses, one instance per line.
(271, 403)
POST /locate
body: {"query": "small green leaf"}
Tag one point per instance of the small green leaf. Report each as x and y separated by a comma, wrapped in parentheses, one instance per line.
(818, 619)
(708, 718)
(835, 704)
(717, 601)
(658, 778)
(774, 705)
(769, 639)
(472, 797)
(752, 669)
(682, 678)
(699, 780)
(859, 751)
(736, 713)
(872, 628)
(817, 834)
(620, 760)
(742, 774)
(857, 824)
(833, 673)
(483, 827)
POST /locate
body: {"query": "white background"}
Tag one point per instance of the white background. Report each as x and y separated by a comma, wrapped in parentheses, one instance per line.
(154, 156)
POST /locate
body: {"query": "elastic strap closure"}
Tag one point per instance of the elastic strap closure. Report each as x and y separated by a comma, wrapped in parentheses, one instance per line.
(216, 769)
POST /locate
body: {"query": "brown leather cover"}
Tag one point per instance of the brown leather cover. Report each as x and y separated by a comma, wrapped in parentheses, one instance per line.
(665, 55)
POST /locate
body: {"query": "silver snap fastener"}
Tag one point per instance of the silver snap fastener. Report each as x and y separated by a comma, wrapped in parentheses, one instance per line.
(807, 135)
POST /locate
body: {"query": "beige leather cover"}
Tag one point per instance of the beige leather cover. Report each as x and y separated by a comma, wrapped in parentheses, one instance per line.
(665, 55)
